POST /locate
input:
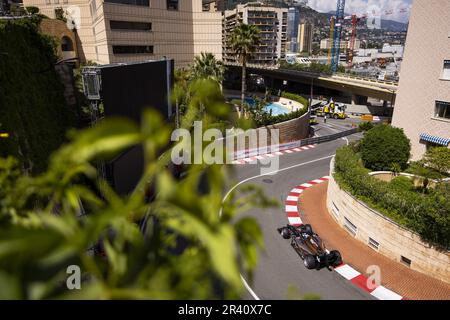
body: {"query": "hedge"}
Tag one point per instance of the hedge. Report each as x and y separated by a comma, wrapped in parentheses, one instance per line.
(426, 214)
(32, 105)
(295, 97)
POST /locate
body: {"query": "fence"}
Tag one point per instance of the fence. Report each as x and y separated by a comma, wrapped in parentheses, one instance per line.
(290, 145)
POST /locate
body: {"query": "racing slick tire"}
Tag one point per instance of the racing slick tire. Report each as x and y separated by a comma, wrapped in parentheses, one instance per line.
(336, 116)
(337, 258)
(310, 262)
(308, 229)
(286, 233)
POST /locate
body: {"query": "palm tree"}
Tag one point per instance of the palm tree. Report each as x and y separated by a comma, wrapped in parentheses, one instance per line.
(206, 66)
(243, 41)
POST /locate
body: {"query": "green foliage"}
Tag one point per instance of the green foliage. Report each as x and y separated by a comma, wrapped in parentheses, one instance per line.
(32, 10)
(244, 40)
(295, 97)
(188, 250)
(206, 66)
(32, 105)
(60, 14)
(438, 158)
(384, 146)
(365, 126)
(426, 214)
(313, 67)
(402, 183)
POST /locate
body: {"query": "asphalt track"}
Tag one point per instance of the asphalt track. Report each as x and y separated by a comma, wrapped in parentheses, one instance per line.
(280, 268)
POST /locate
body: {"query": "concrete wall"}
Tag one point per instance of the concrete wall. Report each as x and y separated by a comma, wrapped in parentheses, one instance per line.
(394, 240)
(288, 131)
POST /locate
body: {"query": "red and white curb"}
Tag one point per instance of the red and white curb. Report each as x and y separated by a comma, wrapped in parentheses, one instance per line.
(345, 270)
(271, 155)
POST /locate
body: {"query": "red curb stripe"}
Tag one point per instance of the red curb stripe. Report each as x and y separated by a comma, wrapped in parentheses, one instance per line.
(292, 215)
(361, 281)
(291, 203)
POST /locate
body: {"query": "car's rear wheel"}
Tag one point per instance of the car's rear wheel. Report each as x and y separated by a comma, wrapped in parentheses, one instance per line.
(310, 262)
(336, 116)
(286, 233)
(337, 258)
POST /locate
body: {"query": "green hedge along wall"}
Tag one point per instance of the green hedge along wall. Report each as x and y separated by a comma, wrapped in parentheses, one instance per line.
(32, 106)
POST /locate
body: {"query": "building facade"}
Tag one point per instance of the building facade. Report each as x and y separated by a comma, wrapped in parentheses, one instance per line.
(112, 31)
(272, 23)
(422, 106)
(305, 37)
(292, 29)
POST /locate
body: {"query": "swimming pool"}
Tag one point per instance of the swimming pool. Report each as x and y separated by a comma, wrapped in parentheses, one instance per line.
(277, 109)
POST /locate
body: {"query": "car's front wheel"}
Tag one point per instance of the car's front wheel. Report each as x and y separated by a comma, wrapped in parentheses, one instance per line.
(286, 233)
(310, 262)
(336, 258)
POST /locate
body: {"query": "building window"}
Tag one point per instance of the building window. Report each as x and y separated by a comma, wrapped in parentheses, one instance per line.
(172, 4)
(130, 25)
(66, 44)
(442, 110)
(405, 261)
(350, 226)
(131, 2)
(133, 49)
(373, 243)
(446, 71)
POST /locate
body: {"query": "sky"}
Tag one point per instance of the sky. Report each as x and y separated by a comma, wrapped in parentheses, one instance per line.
(363, 6)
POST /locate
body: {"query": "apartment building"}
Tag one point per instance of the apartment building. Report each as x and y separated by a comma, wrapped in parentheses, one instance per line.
(113, 31)
(305, 37)
(272, 23)
(422, 107)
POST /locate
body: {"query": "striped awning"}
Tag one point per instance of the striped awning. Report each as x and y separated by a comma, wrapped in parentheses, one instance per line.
(434, 139)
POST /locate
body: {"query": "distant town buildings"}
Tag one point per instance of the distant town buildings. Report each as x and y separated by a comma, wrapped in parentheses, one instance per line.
(114, 31)
(326, 44)
(422, 106)
(272, 23)
(305, 37)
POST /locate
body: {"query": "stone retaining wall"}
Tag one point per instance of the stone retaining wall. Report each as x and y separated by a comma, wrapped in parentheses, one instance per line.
(384, 235)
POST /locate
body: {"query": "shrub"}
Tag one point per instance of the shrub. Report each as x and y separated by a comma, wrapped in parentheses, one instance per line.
(32, 10)
(426, 214)
(402, 183)
(384, 146)
(365, 126)
(438, 158)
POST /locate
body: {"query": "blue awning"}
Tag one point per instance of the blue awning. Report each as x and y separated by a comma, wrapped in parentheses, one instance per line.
(434, 139)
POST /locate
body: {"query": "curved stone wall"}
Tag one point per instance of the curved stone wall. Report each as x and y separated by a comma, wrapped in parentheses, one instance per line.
(384, 235)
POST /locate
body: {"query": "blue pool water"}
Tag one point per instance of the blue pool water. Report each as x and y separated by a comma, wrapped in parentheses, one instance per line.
(275, 108)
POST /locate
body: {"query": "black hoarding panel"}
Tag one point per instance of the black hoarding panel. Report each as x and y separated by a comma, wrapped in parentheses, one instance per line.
(129, 88)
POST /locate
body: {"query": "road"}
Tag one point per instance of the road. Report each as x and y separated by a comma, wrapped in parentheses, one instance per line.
(280, 267)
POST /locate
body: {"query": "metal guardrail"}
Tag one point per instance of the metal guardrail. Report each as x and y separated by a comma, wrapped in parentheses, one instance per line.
(331, 137)
(290, 145)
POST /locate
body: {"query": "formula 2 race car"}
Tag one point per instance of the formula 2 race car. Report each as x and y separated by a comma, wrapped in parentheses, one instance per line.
(310, 247)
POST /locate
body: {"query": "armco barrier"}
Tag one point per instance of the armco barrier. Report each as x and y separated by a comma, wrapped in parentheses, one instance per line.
(295, 144)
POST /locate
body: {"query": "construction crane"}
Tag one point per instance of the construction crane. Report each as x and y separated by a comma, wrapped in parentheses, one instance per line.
(336, 48)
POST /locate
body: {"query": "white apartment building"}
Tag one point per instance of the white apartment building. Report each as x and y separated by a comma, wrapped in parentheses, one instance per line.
(272, 23)
(113, 31)
(422, 106)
